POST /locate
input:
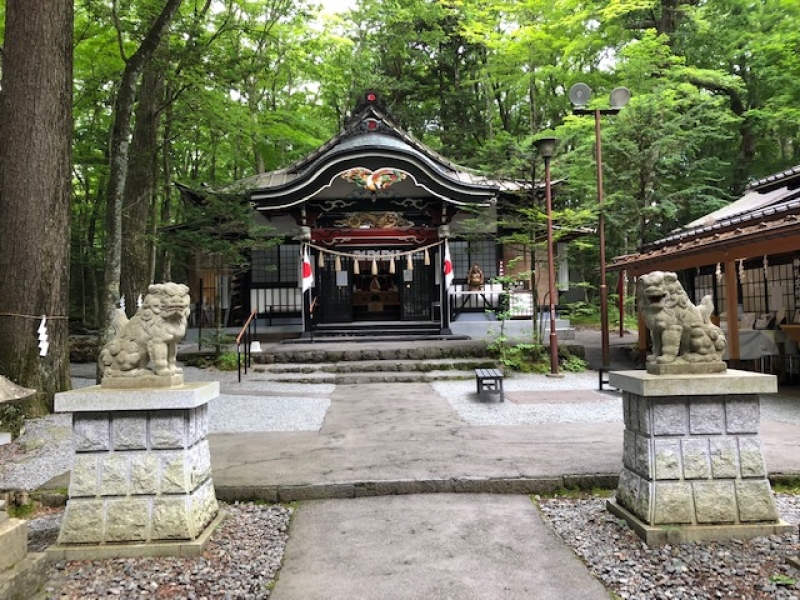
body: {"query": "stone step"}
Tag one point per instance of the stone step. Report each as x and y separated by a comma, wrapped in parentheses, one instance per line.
(330, 353)
(361, 377)
(373, 366)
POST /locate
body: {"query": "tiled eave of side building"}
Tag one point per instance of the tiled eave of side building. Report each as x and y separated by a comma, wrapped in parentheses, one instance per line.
(764, 221)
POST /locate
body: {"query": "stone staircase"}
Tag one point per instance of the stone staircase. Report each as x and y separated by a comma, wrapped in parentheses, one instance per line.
(378, 362)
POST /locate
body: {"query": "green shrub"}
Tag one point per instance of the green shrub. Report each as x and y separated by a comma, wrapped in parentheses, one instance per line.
(12, 419)
(227, 361)
(572, 363)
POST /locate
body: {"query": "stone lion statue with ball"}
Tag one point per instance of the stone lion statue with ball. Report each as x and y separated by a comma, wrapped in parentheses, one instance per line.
(681, 333)
(150, 336)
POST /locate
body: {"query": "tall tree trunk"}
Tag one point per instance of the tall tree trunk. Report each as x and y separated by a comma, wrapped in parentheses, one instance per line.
(163, 262)
(118, 158)
(136, 272)
(35, 141)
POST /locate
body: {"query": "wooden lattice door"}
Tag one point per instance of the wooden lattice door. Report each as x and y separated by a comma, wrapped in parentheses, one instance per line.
(335, 291)
(417, 290)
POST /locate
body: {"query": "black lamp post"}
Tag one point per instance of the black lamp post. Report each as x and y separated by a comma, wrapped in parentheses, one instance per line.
(579, 95)
(546, 148)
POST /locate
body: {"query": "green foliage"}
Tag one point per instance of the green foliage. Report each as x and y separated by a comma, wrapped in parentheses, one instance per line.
(517, 357)
(252, 86)
(12, 419)
(218, 339)
(781, 579)
(22, 511)
(227, 361)
(571, 363)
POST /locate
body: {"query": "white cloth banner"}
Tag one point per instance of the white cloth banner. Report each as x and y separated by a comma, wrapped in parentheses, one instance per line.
(448, 267)
(307, 272)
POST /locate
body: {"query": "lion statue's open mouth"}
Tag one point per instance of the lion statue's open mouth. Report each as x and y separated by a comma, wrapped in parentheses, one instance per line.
(150, 336)
(679, 330)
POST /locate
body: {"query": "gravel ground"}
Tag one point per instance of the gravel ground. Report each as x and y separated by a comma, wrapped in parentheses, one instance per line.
(245, 554)
(462, 398)
(240, 562)
(232, 413)
(753, 569)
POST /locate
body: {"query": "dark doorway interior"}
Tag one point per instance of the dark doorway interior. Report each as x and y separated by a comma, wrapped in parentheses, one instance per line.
(345, 296)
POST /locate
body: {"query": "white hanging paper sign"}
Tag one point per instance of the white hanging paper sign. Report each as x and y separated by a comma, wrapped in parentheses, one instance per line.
(44, 344)
(139, 301)
(122, 302)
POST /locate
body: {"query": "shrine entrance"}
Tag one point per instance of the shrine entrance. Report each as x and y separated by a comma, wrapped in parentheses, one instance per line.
(382, 287)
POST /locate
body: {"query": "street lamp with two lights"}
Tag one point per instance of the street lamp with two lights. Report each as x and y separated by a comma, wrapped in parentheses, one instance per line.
(579, 95)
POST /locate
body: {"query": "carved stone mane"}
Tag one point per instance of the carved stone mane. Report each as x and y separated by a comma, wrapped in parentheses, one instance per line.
(684, 340)
(150, 336)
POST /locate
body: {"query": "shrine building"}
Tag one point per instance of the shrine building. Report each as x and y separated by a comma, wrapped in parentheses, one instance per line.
(376, 212)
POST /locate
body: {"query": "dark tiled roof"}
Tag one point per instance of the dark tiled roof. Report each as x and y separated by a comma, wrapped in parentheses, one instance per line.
(770, 207)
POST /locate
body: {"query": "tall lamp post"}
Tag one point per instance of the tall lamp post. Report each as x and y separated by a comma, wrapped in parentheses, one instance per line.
(579, 95)
(546, 148)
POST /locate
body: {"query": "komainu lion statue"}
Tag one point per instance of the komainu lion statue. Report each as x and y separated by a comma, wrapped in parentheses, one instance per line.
(680, 331)
(152, 334)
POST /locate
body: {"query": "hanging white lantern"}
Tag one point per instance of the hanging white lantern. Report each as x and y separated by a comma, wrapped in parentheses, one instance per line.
(374, 269)
(719, 272)
(391, 266)
(427, 257)
(409, 263)
(356, 268)
(338, 264)
(321, 260)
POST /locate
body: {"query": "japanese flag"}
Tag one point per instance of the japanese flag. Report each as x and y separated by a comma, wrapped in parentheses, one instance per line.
(307, 272)
(448, 267)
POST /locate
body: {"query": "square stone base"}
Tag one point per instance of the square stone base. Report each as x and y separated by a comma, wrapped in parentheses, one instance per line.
(194, 547)
(678, 534)
(142, 467)
(26, 578)
(13, 542)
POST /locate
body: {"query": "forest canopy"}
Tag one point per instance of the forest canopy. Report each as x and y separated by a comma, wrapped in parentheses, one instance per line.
(206, 92)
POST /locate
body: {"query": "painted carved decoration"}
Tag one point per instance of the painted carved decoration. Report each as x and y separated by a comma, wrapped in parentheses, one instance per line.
(373, 180)
(383, 220)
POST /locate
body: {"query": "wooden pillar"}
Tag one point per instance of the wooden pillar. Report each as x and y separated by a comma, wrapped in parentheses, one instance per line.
(732, 308)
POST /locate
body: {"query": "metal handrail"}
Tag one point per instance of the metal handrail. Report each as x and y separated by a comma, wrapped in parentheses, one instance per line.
(247, 332)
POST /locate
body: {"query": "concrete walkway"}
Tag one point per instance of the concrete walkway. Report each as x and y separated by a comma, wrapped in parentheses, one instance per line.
(429, 547)
(404, 439)
(369, 528)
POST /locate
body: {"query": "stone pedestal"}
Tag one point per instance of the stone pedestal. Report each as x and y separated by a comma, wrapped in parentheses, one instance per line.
(692, 462)
(22, 574)
(141, 480)
(13, 541)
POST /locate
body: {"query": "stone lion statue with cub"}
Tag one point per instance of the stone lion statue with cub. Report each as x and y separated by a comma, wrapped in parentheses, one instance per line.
(680, 331)
(151, 335)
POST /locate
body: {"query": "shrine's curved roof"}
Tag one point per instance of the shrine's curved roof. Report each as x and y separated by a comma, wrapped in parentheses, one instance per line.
(369, 144)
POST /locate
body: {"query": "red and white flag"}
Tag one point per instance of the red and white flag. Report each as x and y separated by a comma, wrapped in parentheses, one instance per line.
(307, 272)
(448, 267)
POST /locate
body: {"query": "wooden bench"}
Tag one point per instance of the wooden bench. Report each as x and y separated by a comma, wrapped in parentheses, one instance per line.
(490, 381)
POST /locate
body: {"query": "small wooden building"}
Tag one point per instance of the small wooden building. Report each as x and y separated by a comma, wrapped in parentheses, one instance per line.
(747, 256)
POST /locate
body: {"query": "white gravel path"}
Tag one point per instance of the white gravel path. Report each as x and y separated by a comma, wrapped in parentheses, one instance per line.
(230, 413)
(45, 449)
(462, 398)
